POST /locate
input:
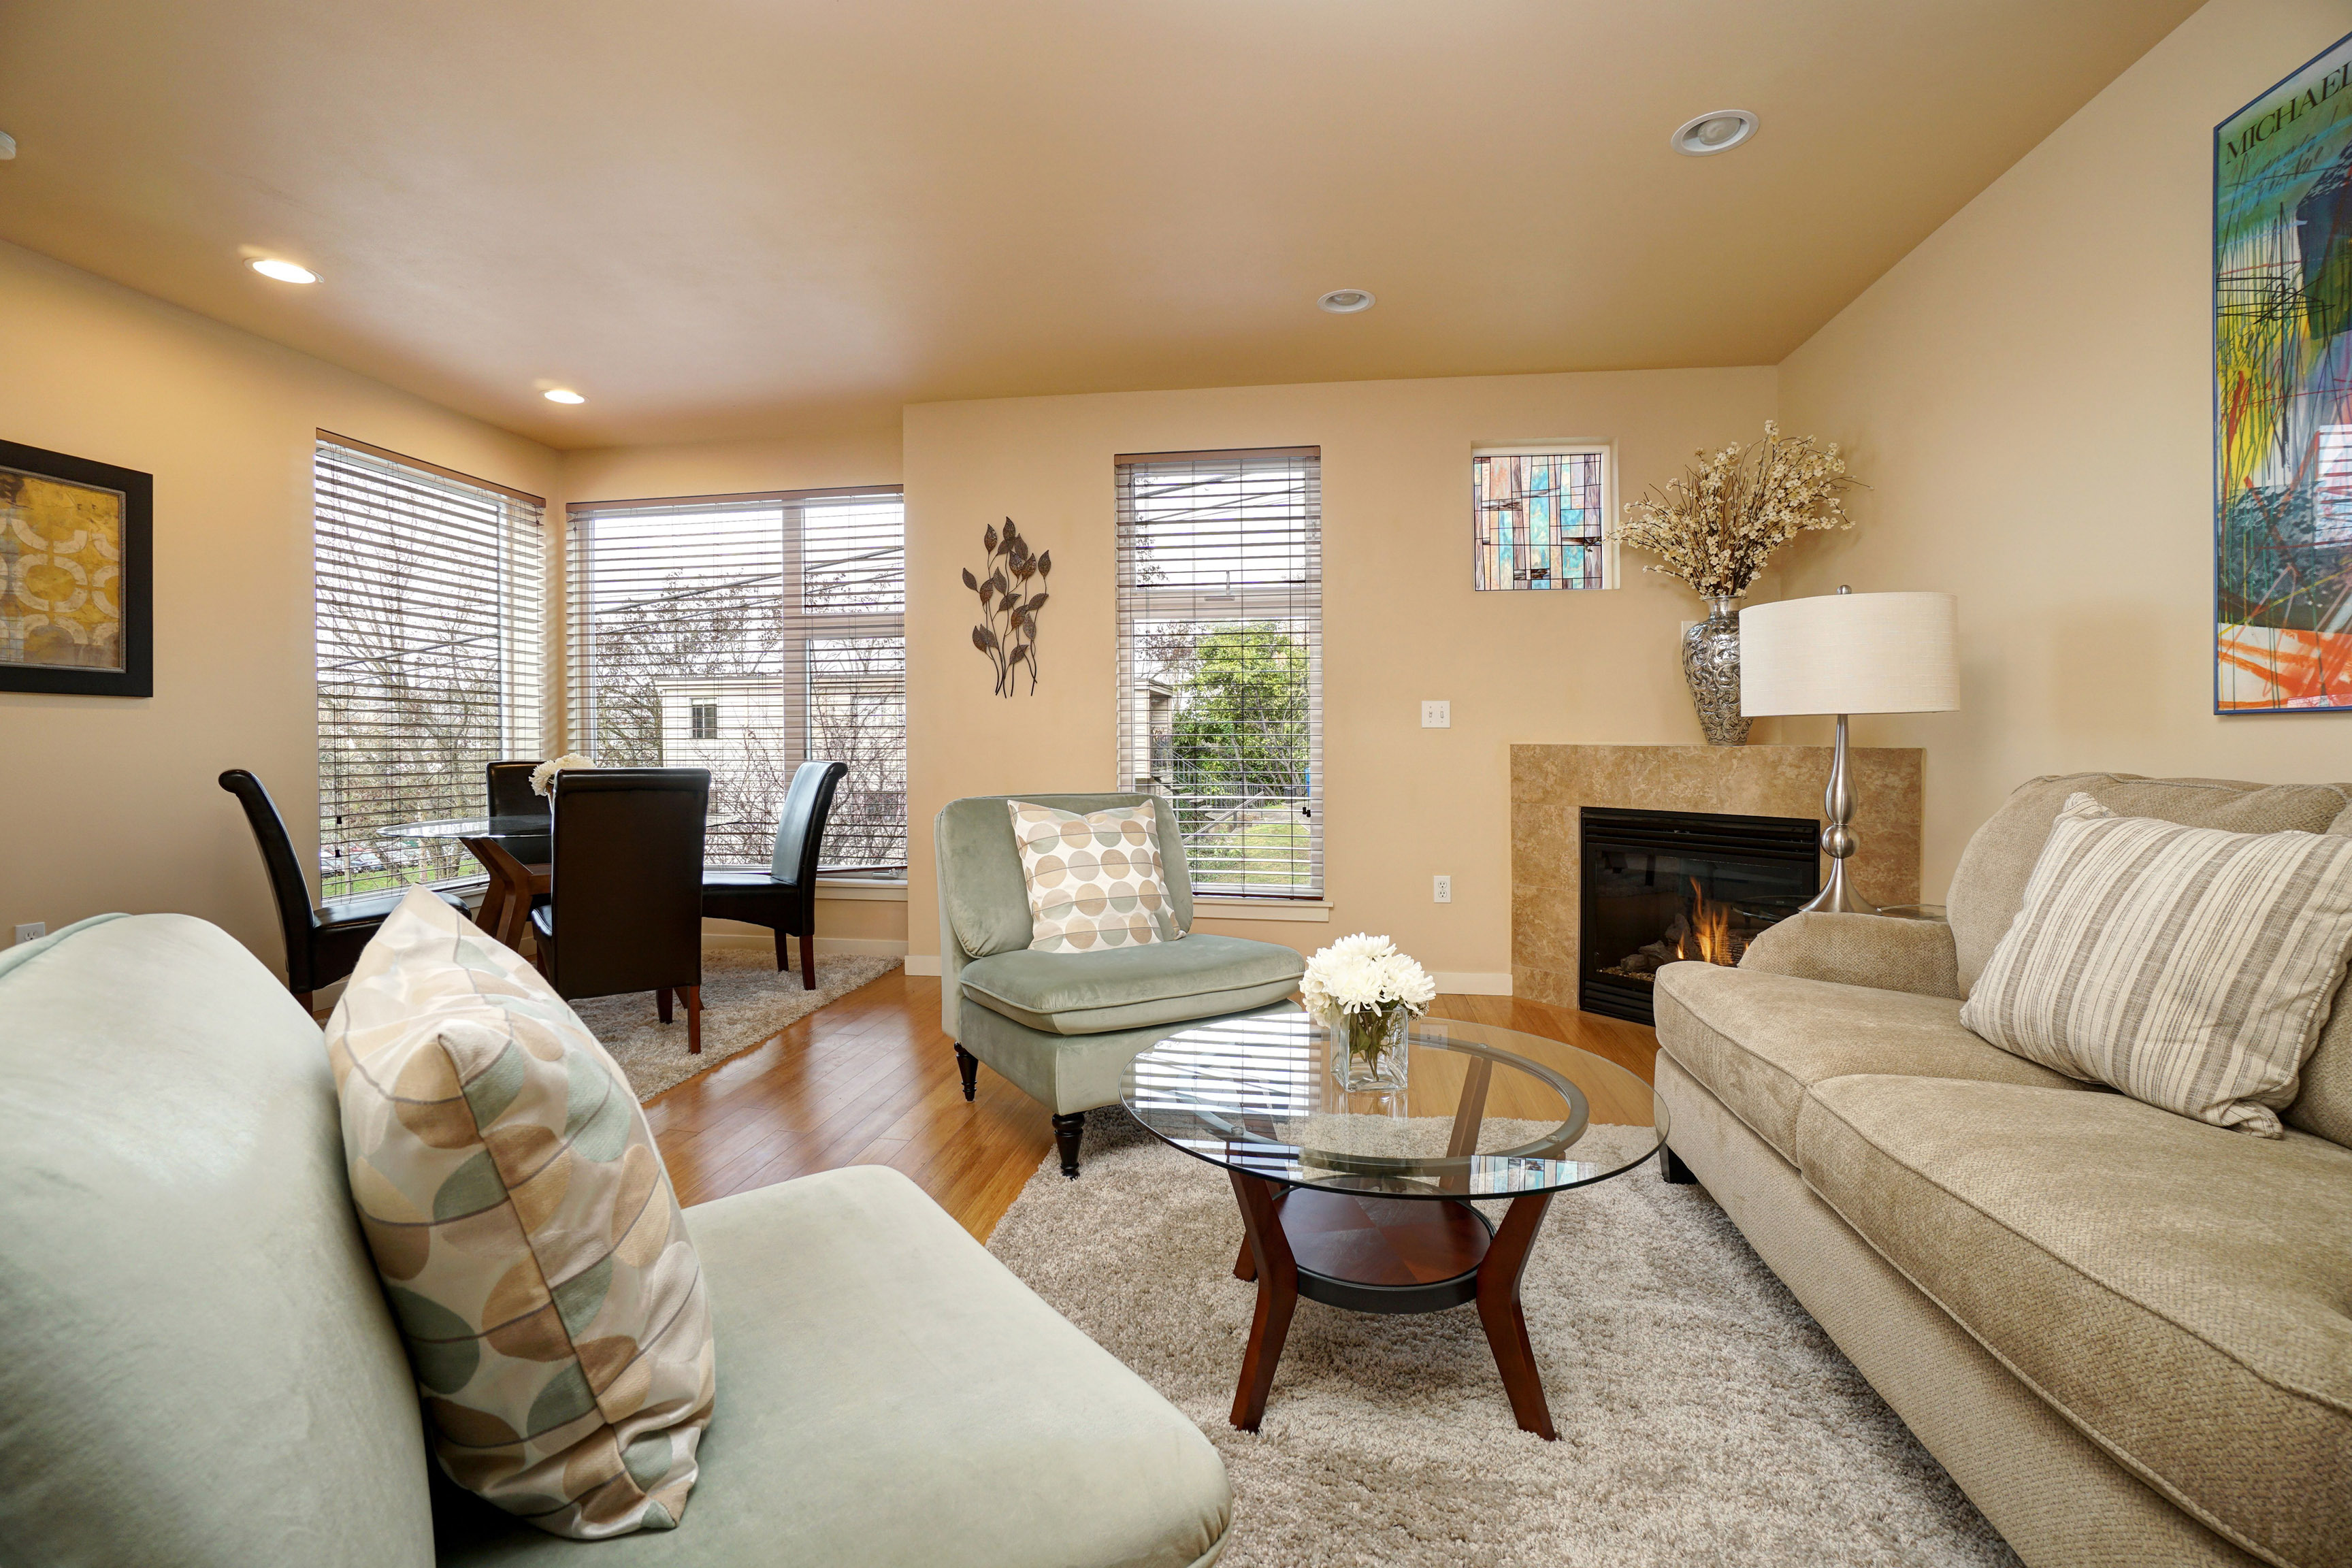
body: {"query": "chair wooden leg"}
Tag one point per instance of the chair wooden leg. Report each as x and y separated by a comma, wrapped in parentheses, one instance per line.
(783, 951)
(969, 1066)
(1068, 1132)
(661, 1003)
(693, 1019)
(808, 963)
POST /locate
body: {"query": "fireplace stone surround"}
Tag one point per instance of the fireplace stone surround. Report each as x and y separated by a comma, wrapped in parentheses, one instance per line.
(1552, 784)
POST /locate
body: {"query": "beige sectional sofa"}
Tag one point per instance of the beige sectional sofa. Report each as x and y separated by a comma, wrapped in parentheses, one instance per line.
(2127, 1334)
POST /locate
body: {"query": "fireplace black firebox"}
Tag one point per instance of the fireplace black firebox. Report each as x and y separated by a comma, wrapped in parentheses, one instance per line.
(1665, 885)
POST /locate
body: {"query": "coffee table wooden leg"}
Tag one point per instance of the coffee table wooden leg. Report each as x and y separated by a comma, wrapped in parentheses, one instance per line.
(1278, 1294)
(1245, 1266)
(1506, 1325)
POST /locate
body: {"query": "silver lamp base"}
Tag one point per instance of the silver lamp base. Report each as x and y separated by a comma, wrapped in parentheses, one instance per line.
(1837, 896)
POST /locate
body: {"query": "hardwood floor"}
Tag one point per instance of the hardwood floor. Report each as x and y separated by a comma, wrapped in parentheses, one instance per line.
(871, 1081)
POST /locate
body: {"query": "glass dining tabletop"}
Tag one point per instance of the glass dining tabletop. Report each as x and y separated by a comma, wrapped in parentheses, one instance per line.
(500, 827)
(1486, 1111)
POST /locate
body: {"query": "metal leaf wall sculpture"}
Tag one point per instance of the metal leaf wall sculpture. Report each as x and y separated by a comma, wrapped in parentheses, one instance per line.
(1007, 632)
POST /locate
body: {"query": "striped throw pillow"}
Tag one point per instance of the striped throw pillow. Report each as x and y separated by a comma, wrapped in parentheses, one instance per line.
(1095, 880)
(2189, 967)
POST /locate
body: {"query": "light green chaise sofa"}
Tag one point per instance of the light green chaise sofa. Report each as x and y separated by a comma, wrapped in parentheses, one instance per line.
(1064, 1026)
(2125, 1333)
(197, 1367)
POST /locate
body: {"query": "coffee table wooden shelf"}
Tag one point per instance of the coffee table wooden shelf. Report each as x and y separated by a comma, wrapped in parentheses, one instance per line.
(1362, 1200)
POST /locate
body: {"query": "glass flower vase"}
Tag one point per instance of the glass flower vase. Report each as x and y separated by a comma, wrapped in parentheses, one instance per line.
(1370, 1047)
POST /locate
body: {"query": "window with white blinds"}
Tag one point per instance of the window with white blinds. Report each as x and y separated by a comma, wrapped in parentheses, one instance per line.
(1221, 659)
(747, 634)
(428, 591)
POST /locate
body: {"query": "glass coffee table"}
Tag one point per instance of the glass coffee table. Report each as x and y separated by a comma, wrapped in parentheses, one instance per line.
(1360, 1200)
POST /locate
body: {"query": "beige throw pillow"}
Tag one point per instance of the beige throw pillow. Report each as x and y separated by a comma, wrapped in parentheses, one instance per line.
(525, 1232)
(1095, 880)
(2189, 967)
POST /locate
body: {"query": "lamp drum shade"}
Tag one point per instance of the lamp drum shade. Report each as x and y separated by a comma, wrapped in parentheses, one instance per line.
(1850, 653)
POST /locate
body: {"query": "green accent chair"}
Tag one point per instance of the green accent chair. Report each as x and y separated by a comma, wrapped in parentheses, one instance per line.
(1063, 1025)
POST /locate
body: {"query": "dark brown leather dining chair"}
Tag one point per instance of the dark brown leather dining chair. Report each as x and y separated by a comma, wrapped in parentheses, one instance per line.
(782, 896)
(511, 801)
(624, 908)
(322, 943)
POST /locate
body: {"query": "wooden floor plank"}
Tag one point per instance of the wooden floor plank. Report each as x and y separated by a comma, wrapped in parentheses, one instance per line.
(871, 1080)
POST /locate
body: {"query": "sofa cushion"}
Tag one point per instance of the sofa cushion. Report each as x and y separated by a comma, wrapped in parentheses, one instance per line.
(1989, 885)
(1758, 1040)
(2189, 967)
(897, 1399)
(2182, 1294)
(1133, 987)
(525, 1229)
(1093, 877)
(196, 1365)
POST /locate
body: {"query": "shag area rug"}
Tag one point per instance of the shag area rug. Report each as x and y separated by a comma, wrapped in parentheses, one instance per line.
(744, 1000)
(1703, 1416)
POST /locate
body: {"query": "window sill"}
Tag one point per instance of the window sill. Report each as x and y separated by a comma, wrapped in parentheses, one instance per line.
(1306, 909)
(862, 889)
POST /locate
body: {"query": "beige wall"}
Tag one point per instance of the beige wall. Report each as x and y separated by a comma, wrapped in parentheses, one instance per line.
(2029, 395)
(111, 803)
(827, 460)
(1401, 620)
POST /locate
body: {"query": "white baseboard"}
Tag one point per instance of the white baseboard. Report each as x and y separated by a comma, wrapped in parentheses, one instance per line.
(858, 946)
(923, 962)
(1473, 982)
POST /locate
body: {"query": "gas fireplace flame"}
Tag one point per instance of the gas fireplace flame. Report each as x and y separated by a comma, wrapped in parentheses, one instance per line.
(1709, 939)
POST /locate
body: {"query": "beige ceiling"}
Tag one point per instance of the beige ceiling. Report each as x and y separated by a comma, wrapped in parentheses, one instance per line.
(729, 218)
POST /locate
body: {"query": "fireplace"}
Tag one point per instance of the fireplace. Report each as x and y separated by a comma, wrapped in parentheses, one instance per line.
(1659, 886)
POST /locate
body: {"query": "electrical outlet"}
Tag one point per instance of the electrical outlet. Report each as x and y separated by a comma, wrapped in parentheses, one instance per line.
(1437, 715)
(28, 932)
(1441, 889)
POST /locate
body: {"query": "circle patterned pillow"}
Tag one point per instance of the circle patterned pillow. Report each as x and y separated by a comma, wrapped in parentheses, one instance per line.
(1095, 881)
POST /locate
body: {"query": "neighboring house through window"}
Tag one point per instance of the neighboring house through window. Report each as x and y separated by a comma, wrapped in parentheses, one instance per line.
(1221, 659)
(747, 634)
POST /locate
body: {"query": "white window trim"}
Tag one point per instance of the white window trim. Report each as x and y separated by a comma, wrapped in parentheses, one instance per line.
(1611, 577)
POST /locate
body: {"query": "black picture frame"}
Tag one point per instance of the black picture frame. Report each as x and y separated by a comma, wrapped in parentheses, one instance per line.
(137, 676)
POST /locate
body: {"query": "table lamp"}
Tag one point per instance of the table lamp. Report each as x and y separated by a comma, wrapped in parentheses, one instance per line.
(1848, 653)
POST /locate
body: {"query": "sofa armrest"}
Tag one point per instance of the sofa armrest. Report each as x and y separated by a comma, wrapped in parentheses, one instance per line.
(1892, 954)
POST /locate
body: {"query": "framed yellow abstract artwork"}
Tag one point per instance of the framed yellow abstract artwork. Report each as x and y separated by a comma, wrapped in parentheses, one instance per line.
(76, 575)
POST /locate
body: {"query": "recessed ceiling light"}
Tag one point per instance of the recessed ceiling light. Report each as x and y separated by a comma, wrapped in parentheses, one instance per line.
(284, 271)
(1346, 302)
(563, 395)
(7, 146)
(1717, 132)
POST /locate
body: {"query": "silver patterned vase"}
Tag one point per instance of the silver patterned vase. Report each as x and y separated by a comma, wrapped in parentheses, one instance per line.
(1711, 665)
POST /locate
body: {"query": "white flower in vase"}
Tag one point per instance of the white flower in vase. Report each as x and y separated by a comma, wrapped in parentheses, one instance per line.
(542, 777)
(1363, 990)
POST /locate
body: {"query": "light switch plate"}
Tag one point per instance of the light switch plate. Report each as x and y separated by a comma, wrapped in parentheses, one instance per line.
(1437, 715)
(1441, 889)
(28, 932)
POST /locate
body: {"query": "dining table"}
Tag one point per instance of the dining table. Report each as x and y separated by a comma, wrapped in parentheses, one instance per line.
(516, 852)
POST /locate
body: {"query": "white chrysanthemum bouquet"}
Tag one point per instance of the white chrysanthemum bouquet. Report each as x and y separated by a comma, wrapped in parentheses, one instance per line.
(1364, 991)
(542, 777)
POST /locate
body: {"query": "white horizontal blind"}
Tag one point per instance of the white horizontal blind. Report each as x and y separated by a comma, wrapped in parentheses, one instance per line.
(747, 634)
(1221, 660)
(429, 592)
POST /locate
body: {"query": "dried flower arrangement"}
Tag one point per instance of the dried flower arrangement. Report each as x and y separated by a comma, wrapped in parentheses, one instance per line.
(1715, 525)
(1004, 593)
